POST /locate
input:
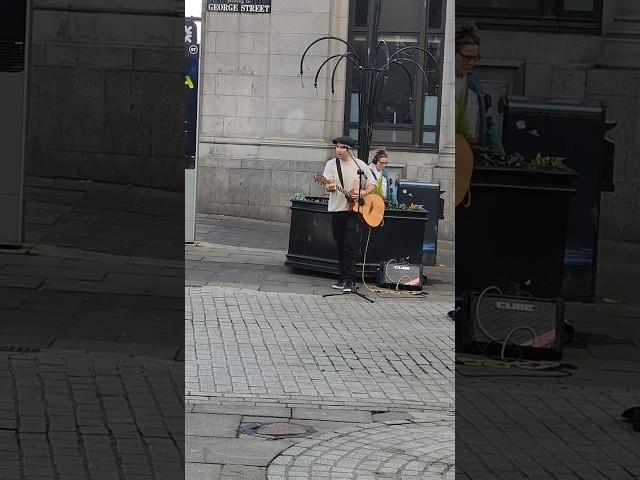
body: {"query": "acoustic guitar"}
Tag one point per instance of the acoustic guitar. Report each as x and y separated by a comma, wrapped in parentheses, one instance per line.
(464, 167)
(371, 208)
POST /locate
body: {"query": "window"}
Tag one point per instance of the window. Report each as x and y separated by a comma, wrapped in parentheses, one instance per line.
(407, 114)
(555, 15)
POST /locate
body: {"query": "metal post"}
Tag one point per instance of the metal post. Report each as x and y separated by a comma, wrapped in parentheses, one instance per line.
(15, 39)
(371, 75)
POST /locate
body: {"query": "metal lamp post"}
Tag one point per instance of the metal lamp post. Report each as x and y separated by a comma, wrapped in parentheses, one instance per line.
(371, 75)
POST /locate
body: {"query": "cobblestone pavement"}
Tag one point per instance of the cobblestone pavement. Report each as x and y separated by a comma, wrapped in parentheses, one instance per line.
(394, 450)
(246, 344)
(536, 429)
(70, 415)
(263, 347)
(374, 376)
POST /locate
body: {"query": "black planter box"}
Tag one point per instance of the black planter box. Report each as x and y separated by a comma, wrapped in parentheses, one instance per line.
(514, 230)
(311, 245)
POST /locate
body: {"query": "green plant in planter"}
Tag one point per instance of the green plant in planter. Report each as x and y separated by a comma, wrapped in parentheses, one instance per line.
(517, 160)
(413, 206)
(299, 196)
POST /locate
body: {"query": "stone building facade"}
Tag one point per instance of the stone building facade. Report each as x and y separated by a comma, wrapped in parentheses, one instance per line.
(262, 134)
(591, 52)
(98, 68)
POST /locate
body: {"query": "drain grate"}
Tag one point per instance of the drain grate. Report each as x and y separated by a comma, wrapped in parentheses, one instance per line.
(276, 430)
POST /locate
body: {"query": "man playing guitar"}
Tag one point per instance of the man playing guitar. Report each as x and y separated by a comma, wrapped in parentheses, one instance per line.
(345, 225)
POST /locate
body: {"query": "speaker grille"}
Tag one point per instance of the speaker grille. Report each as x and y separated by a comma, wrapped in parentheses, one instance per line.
(498, 317)
(11, 56)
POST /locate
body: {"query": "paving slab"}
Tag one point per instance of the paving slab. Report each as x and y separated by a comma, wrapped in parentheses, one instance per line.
(235, 451)
(354, 416)
(391, 416)
(322, 426)
(243, 472)
(275, 411)
(202, 471)
(212, 425)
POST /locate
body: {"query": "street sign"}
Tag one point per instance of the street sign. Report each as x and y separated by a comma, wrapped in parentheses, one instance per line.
(193, 50)
(239, 6)
(191, 37)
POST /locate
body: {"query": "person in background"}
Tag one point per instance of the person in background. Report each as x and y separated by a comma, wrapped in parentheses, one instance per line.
(472, 121)
(380, 175)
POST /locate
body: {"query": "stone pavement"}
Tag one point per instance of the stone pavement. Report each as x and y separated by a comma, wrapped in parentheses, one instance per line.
(97, 272)
(250, 254)
(510, 423)
(564, 423)
(340, 351)
(364, 390)
(374, 382)
(74, 415)
(91, 335)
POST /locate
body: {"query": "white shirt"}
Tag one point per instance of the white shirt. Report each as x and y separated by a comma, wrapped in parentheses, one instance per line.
(337, 200)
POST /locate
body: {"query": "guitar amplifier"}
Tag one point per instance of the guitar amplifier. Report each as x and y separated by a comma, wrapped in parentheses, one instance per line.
(403, 276)
(532, 328)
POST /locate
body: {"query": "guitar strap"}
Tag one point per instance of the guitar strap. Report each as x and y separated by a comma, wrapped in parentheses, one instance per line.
(340, 174)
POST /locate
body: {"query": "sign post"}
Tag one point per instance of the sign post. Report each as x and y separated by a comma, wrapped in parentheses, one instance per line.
(15, 17)
(191, 82)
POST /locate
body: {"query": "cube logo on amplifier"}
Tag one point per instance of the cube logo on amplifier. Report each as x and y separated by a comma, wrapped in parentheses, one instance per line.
(400, 276)
(518, 307)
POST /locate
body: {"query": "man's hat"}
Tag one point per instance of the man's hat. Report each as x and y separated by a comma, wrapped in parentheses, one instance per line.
(348, 141)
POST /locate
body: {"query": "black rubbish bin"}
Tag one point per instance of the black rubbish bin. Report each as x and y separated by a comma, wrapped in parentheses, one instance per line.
(428, 194)
(574, 129)
(514, 230)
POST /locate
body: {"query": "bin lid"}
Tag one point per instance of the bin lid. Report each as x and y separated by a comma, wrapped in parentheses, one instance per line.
(539, 105)
(418, 183)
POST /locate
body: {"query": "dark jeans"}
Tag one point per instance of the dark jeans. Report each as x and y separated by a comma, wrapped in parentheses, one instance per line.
(346, 233)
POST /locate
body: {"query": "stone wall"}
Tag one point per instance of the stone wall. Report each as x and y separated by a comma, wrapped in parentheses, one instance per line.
(262, 134)
(98, 68)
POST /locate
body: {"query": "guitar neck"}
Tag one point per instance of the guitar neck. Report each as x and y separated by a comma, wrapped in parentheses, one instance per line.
(320, 179)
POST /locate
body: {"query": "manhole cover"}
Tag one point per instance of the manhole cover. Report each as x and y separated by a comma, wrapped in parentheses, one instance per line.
(279, 429)
(276, 430)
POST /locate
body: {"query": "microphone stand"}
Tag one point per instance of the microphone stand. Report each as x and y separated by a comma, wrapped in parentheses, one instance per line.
(354, 290)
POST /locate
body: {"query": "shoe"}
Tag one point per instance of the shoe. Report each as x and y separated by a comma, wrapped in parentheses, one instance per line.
(348, 287)
(339, 285)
